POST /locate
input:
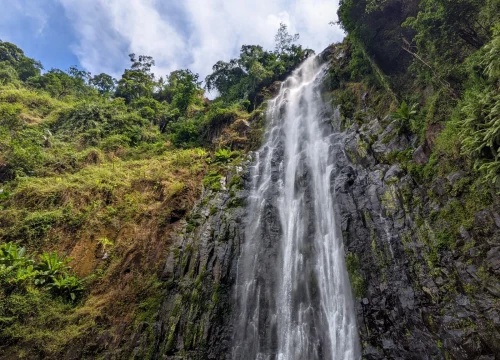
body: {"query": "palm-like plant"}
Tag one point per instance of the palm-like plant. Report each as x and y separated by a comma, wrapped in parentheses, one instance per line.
(404, 115)
(222, 155)
(69, 287)
(51, 266)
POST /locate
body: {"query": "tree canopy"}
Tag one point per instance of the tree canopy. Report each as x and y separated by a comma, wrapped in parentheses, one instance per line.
(242, 78)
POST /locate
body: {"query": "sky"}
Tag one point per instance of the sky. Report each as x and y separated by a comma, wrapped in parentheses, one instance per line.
(98, 35)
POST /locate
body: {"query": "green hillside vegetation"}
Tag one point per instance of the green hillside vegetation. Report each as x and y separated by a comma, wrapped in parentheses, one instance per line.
(95, 171)
(439, 60)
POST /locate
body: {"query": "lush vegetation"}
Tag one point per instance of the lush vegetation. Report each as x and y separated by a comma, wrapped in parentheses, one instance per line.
(97, 169)
(440, 60)
(420, 79)
(256, 68)
(51, 272)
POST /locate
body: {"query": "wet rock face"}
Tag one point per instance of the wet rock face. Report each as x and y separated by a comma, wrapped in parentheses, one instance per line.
(193, 321)
(418, 299)
(412, 302)
(417, 296)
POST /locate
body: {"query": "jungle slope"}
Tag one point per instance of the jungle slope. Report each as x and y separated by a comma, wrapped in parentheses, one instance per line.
(98, 177)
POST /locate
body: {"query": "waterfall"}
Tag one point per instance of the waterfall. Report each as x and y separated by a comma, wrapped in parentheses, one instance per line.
(293, 297)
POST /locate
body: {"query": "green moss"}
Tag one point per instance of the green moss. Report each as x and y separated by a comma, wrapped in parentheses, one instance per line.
(235, 202)
(390, 199)
(445, 240)
(171, 337)
(151, 305)
(213, 181)
(355, 275)
(236, 182)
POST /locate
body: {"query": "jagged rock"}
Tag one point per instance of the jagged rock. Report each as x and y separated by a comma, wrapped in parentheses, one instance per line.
(419, 300)
(420, 156)
(393, 173)
(389, 244)
(455, 177)
(493, 259)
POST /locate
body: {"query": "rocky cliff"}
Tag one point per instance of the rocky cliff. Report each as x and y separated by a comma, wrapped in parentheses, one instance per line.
(421, 245)
(422, 292)
(193, 320)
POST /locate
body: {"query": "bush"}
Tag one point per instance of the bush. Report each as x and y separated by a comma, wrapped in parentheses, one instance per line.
(9, 115)
(115, 142)
(404, 117)
(51, 272)
(212, 181)
(24, 156)
(184, 133)
(222, 156)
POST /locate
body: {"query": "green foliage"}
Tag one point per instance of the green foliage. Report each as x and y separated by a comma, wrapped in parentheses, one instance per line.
(15, 267)
(10, 115)
(212, 181)
(50, 267)
(355, 275)
(60, 84)
(222, 155)
(256, 68)
(449, 48)
(104, 83)
(404, 115)
(83, 155)
(479, 119)
(8, 75)
(138, 81)
(448, 31)
(24, 153)
(181, 90)
(91, 122)
(69, 287)
(50, 272)
(185, 133)
(23, 66)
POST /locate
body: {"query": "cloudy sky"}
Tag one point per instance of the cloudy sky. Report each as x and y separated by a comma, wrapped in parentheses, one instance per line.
(99, 34)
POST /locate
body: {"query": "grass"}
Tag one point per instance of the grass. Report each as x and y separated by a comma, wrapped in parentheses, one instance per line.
(127, 203)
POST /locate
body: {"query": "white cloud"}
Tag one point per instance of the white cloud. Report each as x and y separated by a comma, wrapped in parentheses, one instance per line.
(193, 34)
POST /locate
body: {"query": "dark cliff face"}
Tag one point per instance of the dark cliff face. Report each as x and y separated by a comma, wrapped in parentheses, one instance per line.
(421, 292)
(193, 321)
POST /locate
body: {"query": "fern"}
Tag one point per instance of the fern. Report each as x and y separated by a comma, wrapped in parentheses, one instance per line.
(404, 116)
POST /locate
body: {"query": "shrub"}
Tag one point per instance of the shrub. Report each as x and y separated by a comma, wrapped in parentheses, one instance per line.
(51, 272)
(404, 116)
(212, 181)
(115, 142)
(222, 156)
(9, 115)
(184, 133)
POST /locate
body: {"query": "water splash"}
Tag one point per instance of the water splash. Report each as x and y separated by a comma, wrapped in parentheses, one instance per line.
(293, 295)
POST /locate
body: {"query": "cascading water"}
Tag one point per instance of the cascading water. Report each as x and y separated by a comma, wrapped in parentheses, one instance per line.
(293, 294)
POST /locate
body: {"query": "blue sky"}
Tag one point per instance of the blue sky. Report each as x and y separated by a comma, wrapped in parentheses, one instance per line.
(40, 28)
(97, 35)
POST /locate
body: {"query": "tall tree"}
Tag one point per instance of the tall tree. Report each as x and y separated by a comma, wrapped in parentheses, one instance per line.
(24, 66)
(138, 81)
(104, 83)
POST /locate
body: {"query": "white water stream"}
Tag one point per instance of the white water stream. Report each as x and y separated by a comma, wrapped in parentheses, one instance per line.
(293, 294)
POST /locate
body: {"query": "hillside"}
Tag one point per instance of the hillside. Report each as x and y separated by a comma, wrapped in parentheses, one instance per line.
(97, 175)
(127, 206)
